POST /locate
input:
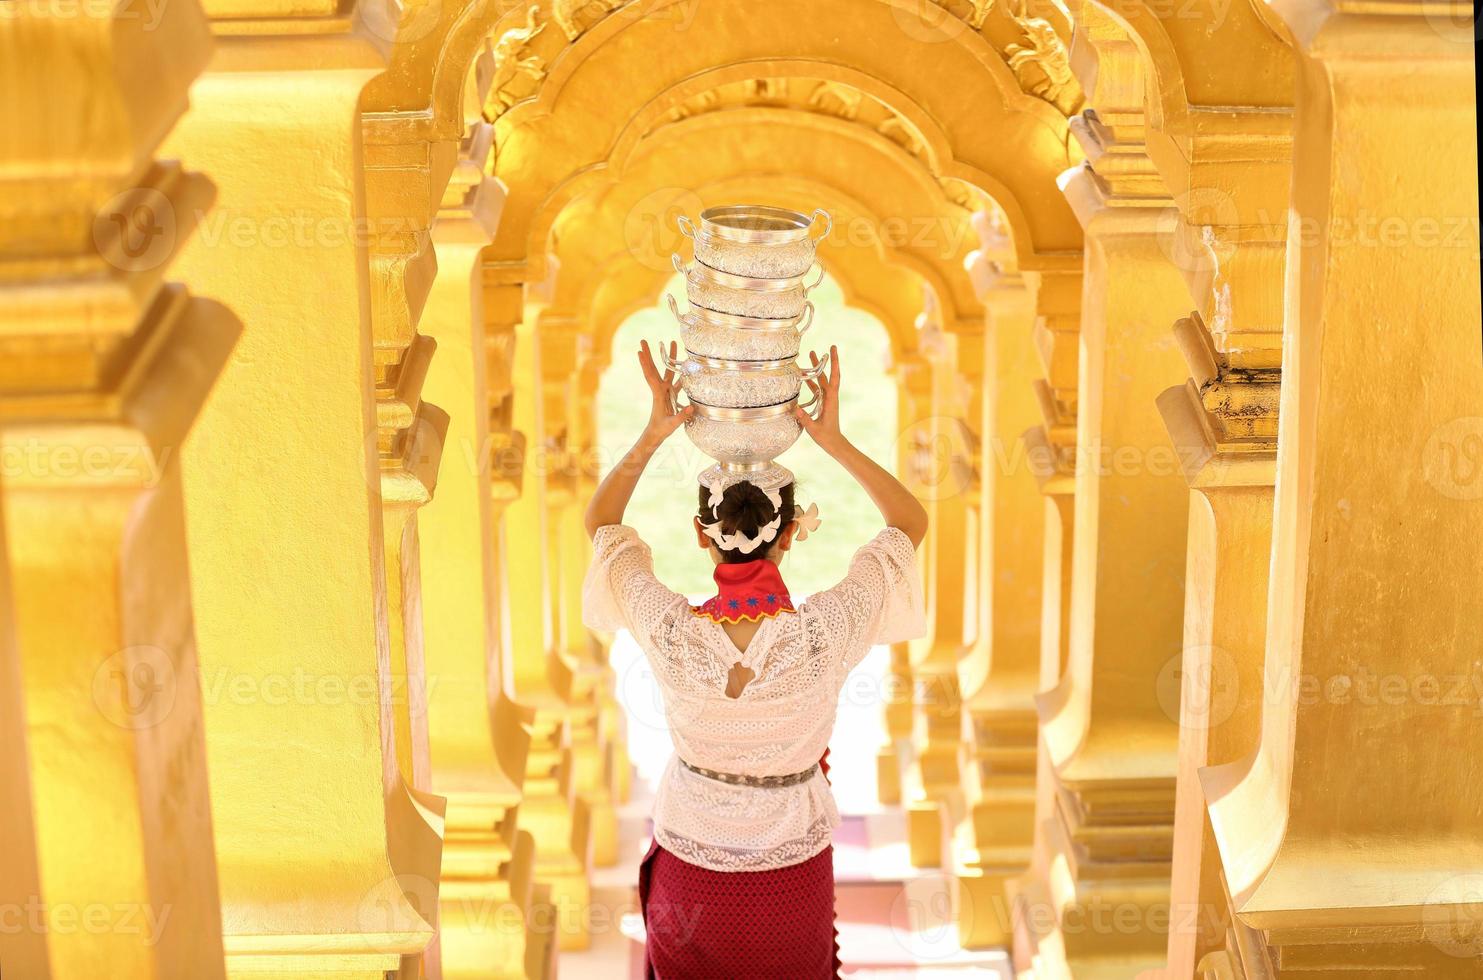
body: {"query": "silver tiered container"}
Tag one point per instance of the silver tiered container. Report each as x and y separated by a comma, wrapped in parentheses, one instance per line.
(707, 333)
(756, 241)
(722, 292)
(748, 312)
(722, 383)
(744, 438)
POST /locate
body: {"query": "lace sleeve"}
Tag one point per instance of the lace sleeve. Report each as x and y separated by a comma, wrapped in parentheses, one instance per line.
(879, 601)
(620, 590)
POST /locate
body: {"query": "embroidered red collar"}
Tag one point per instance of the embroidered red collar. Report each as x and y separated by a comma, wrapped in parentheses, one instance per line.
(746, 590)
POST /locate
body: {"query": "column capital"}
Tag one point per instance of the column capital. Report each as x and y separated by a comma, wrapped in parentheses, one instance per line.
(91, 223)
(1223, 420)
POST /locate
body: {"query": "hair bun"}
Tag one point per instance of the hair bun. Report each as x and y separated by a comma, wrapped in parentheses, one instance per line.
(745, 508)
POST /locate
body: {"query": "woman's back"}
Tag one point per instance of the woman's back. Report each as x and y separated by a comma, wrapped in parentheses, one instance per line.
(776, 726)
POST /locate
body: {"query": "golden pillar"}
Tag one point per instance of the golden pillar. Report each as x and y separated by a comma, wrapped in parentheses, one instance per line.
(1220, 136)
(1049, 450)
(1352, 838)
(486, 924)
(542, 681)
(565, 350)
(597, 752)
(1223, 422)
(1111, 745)
(1000, 673)
(941, 476)
(106, 833)
(913, 423)
(328, 865)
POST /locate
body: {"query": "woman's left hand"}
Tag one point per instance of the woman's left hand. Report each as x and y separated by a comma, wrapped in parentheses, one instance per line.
(664, 418)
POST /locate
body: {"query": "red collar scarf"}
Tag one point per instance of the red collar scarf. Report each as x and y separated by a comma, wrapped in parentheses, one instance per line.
(746, 590)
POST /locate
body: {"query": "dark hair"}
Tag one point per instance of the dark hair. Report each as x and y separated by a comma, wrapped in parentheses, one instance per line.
(745, 508)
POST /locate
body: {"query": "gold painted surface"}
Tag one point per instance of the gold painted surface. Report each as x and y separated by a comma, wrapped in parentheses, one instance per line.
(542, 680)
(477, 746)
(108, 864)
(1366, 507)
(341, 527)
(313, 826)
(999, 674)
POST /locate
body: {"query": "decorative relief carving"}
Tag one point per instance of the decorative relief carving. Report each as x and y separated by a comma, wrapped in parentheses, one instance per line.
(978, 13)
(694, 106)
(826, 98)
(1042, 66)
(1038, 58)
(836, 99)
(964, 194)
(766, 90)
(894, 128)
(514, 61)
(576, 17)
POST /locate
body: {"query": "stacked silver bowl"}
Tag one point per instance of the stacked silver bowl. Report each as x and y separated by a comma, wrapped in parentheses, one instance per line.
(748, 295)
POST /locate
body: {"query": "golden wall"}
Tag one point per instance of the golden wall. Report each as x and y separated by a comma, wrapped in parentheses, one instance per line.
(302, 311)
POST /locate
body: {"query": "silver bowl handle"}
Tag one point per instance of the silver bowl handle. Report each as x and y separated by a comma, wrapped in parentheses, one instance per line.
(674, 307)
(678, 263)
(828, 223)
(806, 318)
(813, 399)
(686, 228)
(670, 363)
(814, 371)
(815, 284)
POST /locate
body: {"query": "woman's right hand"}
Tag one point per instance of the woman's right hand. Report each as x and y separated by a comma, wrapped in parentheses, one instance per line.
(824, 430)
(664, 415)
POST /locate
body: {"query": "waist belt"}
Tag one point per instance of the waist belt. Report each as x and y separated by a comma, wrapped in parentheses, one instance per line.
(791, 779)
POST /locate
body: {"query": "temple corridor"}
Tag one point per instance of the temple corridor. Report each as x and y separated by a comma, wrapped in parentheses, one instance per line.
(1168, 312)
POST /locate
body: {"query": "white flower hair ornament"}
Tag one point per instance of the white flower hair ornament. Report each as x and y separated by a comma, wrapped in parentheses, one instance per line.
(770, 481)
(808, 520)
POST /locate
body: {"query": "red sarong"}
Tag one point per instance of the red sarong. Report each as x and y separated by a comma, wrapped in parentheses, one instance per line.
(756, 925)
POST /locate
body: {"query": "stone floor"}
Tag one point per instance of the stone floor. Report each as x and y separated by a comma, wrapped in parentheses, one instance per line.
(894, 920)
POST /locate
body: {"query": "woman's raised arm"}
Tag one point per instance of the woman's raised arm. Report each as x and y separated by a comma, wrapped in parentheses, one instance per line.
(611, 498)
(900, 509)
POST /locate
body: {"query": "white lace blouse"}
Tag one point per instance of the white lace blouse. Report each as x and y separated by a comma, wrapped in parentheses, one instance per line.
(781, 722)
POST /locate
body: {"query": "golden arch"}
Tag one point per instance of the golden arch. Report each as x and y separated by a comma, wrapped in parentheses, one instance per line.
(988, 128)
(820, 151)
